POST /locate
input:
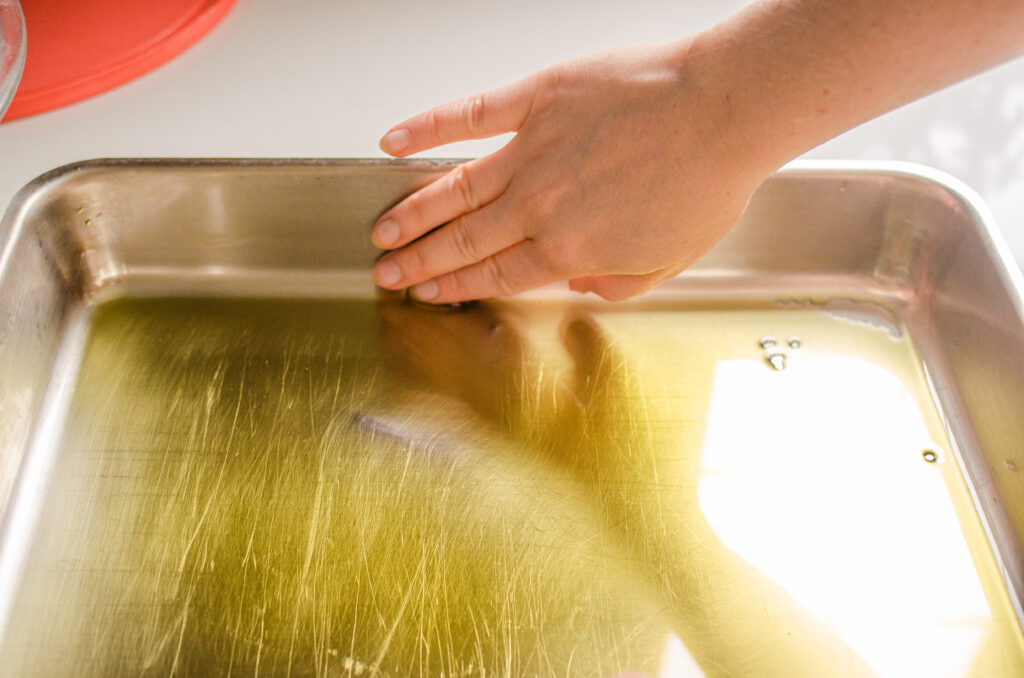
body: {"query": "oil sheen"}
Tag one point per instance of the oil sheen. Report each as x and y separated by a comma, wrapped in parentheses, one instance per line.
(371, 488)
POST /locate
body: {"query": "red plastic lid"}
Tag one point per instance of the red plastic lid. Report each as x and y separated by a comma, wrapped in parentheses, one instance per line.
(79, 48)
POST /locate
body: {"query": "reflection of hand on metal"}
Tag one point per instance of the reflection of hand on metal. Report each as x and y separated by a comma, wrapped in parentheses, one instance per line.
(598, 371)
(637, 478)
(471, 354)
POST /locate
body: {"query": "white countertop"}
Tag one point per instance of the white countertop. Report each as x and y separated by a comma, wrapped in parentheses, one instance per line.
(323, 78)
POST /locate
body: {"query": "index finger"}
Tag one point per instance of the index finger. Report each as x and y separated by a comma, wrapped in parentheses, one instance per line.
(481, 115)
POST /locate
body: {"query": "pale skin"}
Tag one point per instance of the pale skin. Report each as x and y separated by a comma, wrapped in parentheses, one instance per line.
(628, 165)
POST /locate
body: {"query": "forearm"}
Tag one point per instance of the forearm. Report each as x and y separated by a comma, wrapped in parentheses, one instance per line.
(783, 76)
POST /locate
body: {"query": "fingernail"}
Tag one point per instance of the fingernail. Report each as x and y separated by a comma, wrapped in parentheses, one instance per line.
(395, 142)
(424, 291)
(386, 233)
(388, 273)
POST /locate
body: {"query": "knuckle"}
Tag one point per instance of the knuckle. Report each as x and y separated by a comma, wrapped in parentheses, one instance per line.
(410, 213)
(451, 286)
(560, 257)
(549, 84)
(495, 274)
(545, 204)
(535, 213)
(547, 207)
(474, 113)
(461, 239)
(557, 85)
(462, 188)
(433, 123)
(413, 265)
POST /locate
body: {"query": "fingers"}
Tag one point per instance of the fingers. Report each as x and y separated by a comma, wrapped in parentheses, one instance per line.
(618, 287)
(482, 115)
(466, 188)
(512, 270)
(465, 241)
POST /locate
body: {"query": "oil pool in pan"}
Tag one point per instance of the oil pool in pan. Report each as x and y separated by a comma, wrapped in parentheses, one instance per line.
(346, 488)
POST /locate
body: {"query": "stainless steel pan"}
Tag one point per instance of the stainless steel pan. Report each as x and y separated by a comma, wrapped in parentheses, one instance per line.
(223, 451)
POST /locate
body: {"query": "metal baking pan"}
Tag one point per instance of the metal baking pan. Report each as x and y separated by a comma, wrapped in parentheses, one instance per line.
(223, 452)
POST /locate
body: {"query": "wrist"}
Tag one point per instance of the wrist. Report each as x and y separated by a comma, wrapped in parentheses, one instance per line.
(725, 111)
(745, 113)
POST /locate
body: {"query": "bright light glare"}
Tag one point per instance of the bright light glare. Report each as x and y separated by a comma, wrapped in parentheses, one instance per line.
(814, 476)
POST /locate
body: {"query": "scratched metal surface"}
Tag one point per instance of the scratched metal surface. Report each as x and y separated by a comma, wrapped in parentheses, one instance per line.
(222, 453)
(360, 488)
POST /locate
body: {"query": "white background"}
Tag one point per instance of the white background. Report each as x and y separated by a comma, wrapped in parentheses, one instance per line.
(325, 78)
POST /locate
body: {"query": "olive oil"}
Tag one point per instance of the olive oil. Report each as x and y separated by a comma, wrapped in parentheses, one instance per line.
(346, 488)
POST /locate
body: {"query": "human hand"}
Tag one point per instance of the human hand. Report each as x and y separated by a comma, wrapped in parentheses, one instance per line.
(628, 165)
(623, 171)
